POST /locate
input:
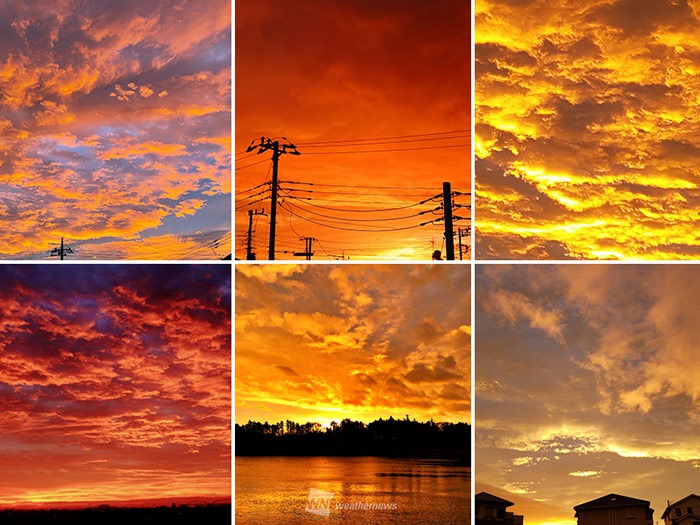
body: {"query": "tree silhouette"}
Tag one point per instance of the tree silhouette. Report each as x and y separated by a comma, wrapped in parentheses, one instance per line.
(383, 437)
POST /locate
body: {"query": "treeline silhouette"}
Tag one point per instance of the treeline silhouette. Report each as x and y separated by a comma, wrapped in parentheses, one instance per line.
(106, 515)
(383, 437)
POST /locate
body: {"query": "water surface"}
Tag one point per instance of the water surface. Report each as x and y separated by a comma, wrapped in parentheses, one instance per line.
(273, 490)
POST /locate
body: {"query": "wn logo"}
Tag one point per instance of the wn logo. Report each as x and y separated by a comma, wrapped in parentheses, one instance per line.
(319, 502)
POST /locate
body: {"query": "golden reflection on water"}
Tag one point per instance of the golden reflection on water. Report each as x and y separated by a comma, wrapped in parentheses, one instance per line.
(363, 490)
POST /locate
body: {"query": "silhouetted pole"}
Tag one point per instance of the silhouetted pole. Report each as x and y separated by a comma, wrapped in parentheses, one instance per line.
(308, 244)
(459, 236)
(277, 150)
(273, 209)
(249, 243)
(60, 251)
(449, 233)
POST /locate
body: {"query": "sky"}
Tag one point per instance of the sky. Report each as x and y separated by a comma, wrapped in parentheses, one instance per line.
(586, 131)
(115, 383)
(349, 84)
(321, 343)
(586, 385)
(115, 128)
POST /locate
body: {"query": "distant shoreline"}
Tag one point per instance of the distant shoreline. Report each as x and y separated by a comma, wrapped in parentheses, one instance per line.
(458, 458)
(195, 515)
(145, 503)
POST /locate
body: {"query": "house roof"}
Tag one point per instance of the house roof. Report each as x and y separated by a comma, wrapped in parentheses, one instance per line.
(611, 501)
(672, 505)
(490, 498)
(685, 517)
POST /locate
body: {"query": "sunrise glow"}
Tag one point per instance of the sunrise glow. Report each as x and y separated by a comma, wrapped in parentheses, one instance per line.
(325, 343)
(585, 385)
(115, 122)
(376, 98)
(115, 384)
(586, 129)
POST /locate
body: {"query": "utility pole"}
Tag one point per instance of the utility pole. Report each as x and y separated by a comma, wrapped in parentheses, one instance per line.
(60, 251)
(250, 256)
(463, 233)
(449, 233)
(277, 150)
(307, 253)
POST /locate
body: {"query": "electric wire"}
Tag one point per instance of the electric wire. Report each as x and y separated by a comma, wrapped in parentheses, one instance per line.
(376, 210)
(288, 206)
(251, 164)
(379, 142)
(383, 150)
(436, 133)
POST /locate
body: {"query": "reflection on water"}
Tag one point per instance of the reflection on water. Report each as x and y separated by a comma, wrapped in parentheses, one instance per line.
(274, 490)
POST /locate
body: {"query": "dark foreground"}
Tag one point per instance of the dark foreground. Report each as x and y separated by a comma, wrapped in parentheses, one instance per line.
(211, 514)
(393, 438)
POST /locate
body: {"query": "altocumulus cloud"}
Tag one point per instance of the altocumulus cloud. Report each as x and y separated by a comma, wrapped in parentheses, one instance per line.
(115, 124)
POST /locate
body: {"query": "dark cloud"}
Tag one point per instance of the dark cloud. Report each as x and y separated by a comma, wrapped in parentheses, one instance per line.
(634, 17)
(287, 370)
(422, 373)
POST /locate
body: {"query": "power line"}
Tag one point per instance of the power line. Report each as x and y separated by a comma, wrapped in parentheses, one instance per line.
(376, 143)
(353, 219)
(251, 189)
(436, 133)
(376, 230)
(251, 164)
(364, 194)
(359, 186)
(384, 150)
(375, 210)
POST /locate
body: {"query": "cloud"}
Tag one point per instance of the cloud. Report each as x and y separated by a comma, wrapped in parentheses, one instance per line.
(606, 402)
(585, 134)
(87, 87)
(363, 341)
(422, 373)
(117, 378)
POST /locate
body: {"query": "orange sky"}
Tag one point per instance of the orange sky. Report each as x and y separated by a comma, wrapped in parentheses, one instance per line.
(586, 385)
(327, 342)
(397, 71)
(115, 383)
(115, 128)
(587, 129)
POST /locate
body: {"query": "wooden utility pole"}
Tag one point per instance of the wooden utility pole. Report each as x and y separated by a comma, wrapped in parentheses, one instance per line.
(277, 150)
(449, 233)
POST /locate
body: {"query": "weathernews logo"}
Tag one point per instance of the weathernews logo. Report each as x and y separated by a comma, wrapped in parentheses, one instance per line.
(319, 502)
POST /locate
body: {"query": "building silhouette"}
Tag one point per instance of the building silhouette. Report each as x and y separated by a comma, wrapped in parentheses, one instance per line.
(614, 509)
(683, 512)
(491, 510)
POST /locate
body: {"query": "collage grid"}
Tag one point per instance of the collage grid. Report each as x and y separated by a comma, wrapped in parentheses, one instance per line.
(241, 282)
